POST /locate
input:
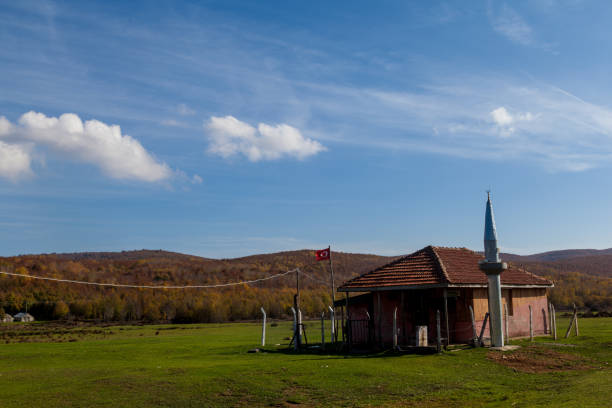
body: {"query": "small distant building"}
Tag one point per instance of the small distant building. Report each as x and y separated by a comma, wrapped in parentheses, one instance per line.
(7, 318)
(23, 317)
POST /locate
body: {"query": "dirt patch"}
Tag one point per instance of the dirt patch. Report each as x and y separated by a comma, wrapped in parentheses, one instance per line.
(534, 359)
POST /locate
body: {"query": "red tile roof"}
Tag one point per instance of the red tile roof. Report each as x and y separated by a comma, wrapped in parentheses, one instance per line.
(438, 266)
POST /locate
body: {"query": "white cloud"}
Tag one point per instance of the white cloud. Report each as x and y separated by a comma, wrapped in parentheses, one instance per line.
(510, 24)
(504, 120)
(501, 116)
(184, 110)
(119, 156)
(196, 179)
(5, 126)
(229, 136)
(14, 161)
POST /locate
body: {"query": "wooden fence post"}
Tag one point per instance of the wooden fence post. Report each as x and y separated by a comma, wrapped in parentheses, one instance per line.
(263, 328)
(446, 317)
(482, 330)
(474, 335)
(506, 322)
(438, 334)
(295, 329)
(575, 320)
(395, 329)
(530, 324)
(572, 322)
(380, 341)
(550, 319)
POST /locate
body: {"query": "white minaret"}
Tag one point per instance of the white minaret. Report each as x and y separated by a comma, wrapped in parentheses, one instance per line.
(492, 266)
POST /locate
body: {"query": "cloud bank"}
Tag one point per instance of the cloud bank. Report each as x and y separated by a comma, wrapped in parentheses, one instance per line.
(482, 118)
(229, 137)
(118, 156)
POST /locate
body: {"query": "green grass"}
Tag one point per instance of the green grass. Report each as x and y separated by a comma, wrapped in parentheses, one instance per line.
(208, 365)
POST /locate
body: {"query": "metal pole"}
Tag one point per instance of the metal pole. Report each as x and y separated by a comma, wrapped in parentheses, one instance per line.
(333, 289)
(297, 285)
(263, 328)
(322, 330)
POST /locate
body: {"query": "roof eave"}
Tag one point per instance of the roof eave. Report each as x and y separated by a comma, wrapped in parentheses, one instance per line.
(441, 285)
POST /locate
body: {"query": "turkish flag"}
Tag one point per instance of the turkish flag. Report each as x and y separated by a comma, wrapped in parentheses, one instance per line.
(323, 254)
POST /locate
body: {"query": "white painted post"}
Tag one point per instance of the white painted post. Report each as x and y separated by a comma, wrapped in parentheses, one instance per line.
(550, 319)
(554, 317)
(474, 334)
(530, 324)
(295, 332)
(395, 328)
(263, 328)
(333, 322)
(322, 330)
(300, 327)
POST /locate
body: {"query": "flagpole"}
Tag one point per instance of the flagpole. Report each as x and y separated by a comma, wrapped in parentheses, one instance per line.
(331, 268)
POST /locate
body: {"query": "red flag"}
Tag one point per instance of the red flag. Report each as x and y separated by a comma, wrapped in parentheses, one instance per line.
(323, 254)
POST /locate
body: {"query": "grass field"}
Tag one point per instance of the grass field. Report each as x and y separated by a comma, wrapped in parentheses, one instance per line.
(208, 365)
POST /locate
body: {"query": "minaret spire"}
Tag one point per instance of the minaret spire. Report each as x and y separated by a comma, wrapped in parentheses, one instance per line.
(492, 266)
(490, 234)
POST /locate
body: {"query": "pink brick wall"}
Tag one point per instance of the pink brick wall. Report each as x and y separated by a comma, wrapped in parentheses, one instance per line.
(460, 323)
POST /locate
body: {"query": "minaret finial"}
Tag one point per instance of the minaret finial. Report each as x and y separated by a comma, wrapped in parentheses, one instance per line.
(490, 233)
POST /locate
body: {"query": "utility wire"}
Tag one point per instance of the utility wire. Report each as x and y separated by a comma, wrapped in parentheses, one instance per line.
(121, 285)
(313, 278)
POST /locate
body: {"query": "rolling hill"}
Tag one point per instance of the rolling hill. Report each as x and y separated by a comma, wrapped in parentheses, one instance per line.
(581, 276)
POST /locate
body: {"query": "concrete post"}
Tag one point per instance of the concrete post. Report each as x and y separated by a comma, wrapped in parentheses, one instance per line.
(263, 328)
(333, 323)
(495, 310)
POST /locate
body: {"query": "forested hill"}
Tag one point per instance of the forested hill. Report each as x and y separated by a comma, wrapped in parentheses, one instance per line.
(581, 276)
(48, 299)
(592, 256)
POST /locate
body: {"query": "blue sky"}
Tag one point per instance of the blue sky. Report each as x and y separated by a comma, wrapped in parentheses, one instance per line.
(225, 128)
